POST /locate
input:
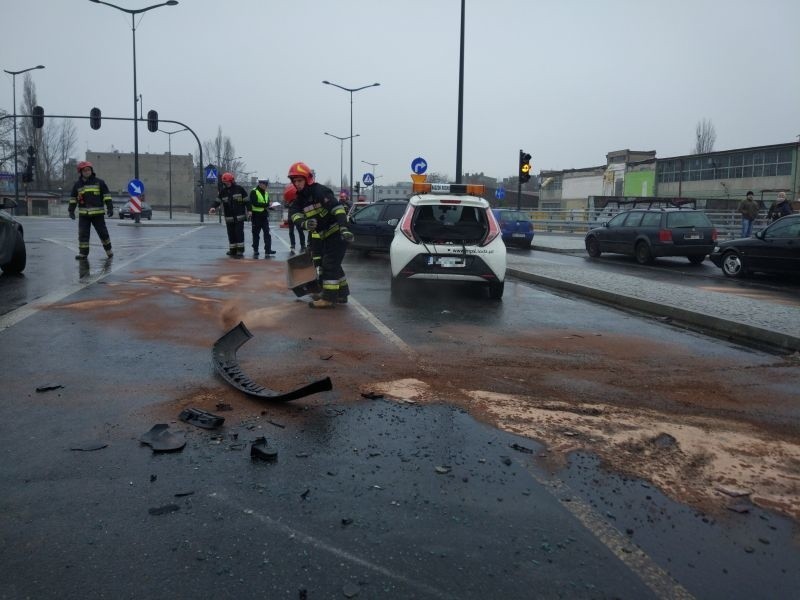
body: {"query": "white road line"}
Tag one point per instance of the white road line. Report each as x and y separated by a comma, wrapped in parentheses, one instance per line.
(319, 544)
(383, 329)
(15, 316)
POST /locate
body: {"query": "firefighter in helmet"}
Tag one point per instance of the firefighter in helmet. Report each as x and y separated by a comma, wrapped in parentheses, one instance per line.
(289, 196)
(233, 199)
(91, 198)
(319, 212)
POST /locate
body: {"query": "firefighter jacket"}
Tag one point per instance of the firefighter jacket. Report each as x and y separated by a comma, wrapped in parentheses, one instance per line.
(90, 196)
(316, 201)
(259, 201)
(234, 202)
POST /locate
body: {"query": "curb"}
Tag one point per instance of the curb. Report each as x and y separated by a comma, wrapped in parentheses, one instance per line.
(750, 335)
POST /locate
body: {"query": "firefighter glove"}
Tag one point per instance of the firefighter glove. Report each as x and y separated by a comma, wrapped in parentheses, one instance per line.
(310, 224)
(347, 235)
(110, 211)
(72, 215)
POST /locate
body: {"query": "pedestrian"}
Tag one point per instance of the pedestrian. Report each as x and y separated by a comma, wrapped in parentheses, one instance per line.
(233, 199)
(258, 205)
(92, 199)
(780, 208)
(318, 210)
(748, 208)
(289, 195)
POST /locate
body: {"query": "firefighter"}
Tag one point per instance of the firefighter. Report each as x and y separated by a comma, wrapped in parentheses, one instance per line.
(258, 205)
(91, 197)
(318, 211)
(289, 195)
(233, 199)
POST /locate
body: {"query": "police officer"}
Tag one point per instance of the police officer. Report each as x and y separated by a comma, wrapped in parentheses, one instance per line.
(92, 199)
(259, 217)
(233, 199)
(317, 209)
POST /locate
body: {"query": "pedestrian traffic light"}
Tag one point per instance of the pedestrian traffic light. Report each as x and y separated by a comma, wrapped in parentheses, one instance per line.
(524, 166)
(152, 120)
(38, 117)
(94, 118)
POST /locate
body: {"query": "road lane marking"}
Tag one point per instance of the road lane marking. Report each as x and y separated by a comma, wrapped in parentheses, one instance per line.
(383, 329)
(31, 308)
(319, 544)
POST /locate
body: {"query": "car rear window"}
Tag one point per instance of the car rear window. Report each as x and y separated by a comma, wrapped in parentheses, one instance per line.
(687, 219)
(513, 215)
(450, 223)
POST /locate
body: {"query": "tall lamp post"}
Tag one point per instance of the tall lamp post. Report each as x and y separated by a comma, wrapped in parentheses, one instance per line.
(14, 93)
(133, 13)
(375, 180)
(341, 159)
(169, 158)
(351, 90)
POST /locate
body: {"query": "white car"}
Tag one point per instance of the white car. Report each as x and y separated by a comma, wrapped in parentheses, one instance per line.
(449, 233)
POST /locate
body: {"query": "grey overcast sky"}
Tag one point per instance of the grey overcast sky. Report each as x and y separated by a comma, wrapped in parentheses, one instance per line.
(567, 80)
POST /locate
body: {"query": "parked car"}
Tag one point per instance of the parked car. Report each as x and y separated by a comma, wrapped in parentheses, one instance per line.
(373, 225)
(13, 255)
(775, 249)
(648, 233)
(449, 233)
(126, 212)
(516, 227)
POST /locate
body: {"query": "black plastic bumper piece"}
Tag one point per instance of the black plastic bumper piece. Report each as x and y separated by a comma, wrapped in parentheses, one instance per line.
(226, 364)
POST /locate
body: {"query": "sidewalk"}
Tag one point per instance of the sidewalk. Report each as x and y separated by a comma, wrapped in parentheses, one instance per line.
(749, 321)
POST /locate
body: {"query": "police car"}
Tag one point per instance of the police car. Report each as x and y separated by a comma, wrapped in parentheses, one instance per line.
(448, 233)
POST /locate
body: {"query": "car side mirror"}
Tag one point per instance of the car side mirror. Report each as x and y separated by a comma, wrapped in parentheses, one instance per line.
(393, 222)
(760, 234)
(604, 223)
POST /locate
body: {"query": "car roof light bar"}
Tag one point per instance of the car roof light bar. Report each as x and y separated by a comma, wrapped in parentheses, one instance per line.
(472, 189)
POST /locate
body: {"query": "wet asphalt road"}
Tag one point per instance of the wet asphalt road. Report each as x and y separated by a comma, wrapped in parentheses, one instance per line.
(368, 499)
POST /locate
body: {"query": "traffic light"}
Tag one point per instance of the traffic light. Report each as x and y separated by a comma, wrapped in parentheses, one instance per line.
(524, 167)
(38, 117)
(94, 118)
(152, 120)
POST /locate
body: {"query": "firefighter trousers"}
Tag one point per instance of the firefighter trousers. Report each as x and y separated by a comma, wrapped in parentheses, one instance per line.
(85, 224)
(334, 282)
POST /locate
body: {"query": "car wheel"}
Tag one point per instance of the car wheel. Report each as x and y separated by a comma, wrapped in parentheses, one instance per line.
(593, 247)
(696, 260)
(643, 254)
(732, 265)
(496, 289)
(18, 258)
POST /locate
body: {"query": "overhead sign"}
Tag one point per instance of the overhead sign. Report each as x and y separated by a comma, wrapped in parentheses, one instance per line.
(211, 174)
(499, 193)
(135, 187)
(419, 165)
(368, 179)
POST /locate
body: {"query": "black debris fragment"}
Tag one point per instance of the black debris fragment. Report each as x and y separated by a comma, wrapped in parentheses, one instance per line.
(182, 494)
(201, 418)
(326, 357)
(347, 521)
(371, 395)
(222, 406)
(305, 494)
(89, 446)
(153, 478)
(276, 424)
(522, 449)
(163, 510)
(260, 450)
(351, 590)
(161, 439)
(49, 388)
(505, 460)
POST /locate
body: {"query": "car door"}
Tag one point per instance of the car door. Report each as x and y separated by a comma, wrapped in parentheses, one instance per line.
(363, 224)
(387, 223)
(779, 250)
(608, 235)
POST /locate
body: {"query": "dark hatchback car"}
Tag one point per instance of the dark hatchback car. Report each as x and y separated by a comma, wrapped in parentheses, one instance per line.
(126, 213)
(13, 255)
(373, 225)
(775, 249)
(648, 233)
(516, 227)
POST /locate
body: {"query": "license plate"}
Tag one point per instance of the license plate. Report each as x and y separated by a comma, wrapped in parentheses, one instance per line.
(518, 235)
(693, 236)
(446, 261)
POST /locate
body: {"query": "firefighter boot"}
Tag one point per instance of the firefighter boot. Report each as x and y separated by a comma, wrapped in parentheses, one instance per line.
(321, 303)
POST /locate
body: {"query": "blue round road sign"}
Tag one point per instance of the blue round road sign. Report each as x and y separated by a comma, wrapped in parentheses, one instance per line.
(419, 165)
(135, 187)
(368, 179)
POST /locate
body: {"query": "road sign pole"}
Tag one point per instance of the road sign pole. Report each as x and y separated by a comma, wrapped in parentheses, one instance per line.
(519, 185)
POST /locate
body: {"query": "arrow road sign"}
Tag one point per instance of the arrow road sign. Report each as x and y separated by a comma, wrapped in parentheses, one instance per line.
(419, 165)
(499, 193)
(135, 187)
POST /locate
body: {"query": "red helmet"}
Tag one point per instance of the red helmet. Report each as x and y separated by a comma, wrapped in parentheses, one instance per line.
(300, 169)
(228, 178)
(83, 164)
(289, 193)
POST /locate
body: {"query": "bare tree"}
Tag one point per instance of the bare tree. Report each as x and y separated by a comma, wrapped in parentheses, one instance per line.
(434, 177)
(705, 136)
(222, 153)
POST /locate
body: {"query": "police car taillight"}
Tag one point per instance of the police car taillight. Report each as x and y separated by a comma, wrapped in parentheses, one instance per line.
(471, 189)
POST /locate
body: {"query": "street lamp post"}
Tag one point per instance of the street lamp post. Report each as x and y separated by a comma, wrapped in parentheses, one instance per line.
(133, 13)
(341, 159)
(375, 180)
(169, 158)
(14, 95)
(351, 90)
